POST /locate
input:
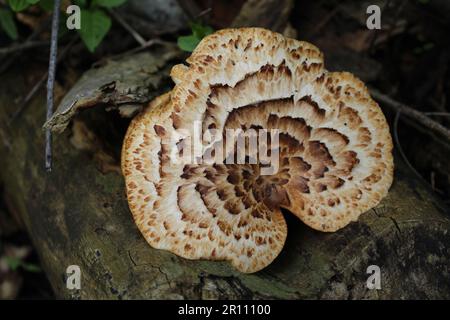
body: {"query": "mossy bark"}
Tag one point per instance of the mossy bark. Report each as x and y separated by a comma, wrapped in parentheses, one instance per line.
(78, 215)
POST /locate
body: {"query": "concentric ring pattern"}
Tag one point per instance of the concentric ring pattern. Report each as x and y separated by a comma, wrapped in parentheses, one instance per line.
(335, 155)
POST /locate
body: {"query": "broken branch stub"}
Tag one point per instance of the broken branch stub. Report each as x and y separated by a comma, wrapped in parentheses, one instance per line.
(125, 85)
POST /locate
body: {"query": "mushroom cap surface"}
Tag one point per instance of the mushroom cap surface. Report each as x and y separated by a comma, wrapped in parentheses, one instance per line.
(335, 150)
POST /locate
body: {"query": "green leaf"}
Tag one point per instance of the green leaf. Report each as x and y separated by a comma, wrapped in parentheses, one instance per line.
(201, 31)
(108, 3)
(32, 1)
(62, 31)
(13, 263)
(8, 24)
(428, 46)
(30, 267)
(47, 5)
(95, 24)
(188, 43)
(80, 3)
(18, 5)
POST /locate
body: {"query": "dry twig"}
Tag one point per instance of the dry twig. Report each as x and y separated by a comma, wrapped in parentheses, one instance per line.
(400, 149)
(190, 7)
(127, 27)
(23, 46)
(51, 82)
(147, 44)
(420, 117)
(39, 84)
(409, 112)
(32, 37)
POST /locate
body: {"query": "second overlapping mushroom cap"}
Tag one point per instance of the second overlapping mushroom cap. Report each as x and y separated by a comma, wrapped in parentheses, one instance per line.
(335, 150)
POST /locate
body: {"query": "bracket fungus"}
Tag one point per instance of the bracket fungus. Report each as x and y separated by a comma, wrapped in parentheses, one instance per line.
(335, 150)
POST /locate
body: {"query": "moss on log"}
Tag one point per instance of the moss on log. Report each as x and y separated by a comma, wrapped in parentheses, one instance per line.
(78, 215)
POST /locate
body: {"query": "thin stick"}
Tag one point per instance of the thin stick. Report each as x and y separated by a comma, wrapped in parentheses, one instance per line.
(39, 84)
(324, 21)
(146, 45)
(37, 31)
(28, 97)
(433, 180)
(23, 46)
(189, 7)
(418, 116)
(402, 153)
(439, 114)
(51, 83)
(127, 27)
(400, 149)
(207, 11)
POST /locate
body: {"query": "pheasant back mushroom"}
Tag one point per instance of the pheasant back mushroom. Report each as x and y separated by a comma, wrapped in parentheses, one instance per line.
(334, 149)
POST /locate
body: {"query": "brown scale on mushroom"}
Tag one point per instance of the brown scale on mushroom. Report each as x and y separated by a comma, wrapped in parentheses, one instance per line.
(335, 150)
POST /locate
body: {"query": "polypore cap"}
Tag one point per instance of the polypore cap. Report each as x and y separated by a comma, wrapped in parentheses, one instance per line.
(334, 150)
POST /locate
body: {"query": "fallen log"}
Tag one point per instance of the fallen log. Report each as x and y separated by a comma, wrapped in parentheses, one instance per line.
(78, 215)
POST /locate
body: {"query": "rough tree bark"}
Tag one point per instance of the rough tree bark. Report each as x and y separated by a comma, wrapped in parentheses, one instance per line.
(78, 215)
